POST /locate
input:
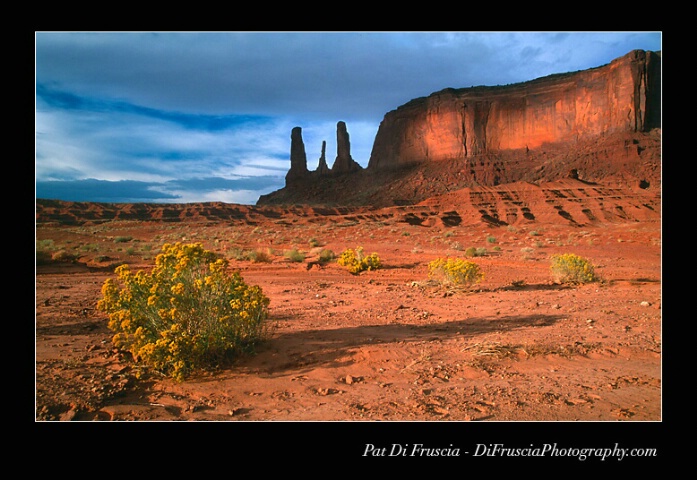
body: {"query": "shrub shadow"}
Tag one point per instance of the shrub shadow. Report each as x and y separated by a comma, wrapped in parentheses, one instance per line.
(330, 347)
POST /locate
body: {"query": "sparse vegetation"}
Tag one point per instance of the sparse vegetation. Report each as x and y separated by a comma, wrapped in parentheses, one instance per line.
(355, 261)
(456, 271)
(571, 268)
(47, 244)
(475, 252)
(190, 313)
(237, 253)
(326, 255)
(259, 256)
(464, 332)
(294, 255)
(64, 256)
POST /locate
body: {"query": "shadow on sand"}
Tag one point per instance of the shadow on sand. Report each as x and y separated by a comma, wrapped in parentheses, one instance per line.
(330, 347)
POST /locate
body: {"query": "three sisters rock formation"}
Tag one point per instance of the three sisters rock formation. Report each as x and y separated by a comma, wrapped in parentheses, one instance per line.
(343, 163)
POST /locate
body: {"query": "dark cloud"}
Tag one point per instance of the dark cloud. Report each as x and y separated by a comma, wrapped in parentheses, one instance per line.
(162, 110)
(70, 101)
(344, 74)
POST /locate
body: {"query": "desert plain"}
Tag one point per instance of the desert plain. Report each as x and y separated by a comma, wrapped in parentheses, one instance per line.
(386, 345)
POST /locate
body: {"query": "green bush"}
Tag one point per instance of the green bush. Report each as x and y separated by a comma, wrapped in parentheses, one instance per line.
(294, 255)
(259, 256)
(326, 255)
(571, 268)
(45, 244)
(475, 251)
(189, 313)
(64, 256)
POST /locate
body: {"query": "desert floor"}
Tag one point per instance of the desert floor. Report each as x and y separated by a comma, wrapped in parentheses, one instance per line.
(384, 345)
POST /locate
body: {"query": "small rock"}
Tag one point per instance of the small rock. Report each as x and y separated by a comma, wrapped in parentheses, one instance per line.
(69, 415)
(326, 391)
(645, 304)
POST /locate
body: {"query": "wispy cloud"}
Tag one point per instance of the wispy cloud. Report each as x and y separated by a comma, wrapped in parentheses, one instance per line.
(187, 116)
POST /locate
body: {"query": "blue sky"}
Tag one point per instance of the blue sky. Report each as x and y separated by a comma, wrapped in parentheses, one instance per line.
(180, 117)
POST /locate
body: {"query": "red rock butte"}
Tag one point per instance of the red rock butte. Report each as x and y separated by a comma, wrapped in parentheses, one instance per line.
(596, 125)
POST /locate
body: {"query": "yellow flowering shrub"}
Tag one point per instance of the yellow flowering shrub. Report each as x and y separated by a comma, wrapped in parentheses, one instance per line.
(355, 261)
(190, 312)
(571, 268)
(455, 271)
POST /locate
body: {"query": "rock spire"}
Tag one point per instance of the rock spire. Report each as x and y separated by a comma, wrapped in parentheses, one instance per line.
(298, 158)
(323, 168)
(343, 163)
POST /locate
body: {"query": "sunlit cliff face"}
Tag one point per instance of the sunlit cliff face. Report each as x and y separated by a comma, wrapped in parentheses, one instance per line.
(456, 124)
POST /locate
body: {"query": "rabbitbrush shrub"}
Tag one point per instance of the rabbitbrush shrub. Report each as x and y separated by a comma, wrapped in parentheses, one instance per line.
(189, 313)
(455, 271)
(355, 261)
(294, 255)
(326, 255)
(571, 268)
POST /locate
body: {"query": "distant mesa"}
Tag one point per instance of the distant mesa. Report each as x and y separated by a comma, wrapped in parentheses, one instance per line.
(596, 125)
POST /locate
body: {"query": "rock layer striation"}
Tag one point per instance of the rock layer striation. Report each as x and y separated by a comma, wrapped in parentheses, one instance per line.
(623, 96)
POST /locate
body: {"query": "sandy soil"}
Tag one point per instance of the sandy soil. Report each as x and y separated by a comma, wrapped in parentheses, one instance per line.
(384, 345)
